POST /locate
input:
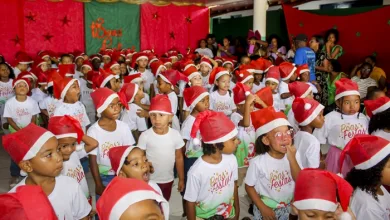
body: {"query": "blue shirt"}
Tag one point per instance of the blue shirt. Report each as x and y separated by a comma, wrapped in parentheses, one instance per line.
(305, 55)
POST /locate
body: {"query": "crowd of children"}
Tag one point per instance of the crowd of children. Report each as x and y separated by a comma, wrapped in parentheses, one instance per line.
(141, 120)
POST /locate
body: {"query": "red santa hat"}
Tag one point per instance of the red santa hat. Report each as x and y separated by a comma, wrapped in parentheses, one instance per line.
(108, 66)
(91, 75)
(79, 54)
(301, 69)
(193, 95)
(227, 60)
(166, 61)
(265, 94)
(28, 202)
(53, 74)
(157, 67)
(39, 61)
(306, 110)
(160, 104)
(103, 78)
(218, 59)
(365, 151)
(151, 60)
(133, 78)
(26, 143)
(172, 77)
(65, 126)
(214, 127)
(243, 76)
(44, 54)
(258, 66)
(240, 92)
(322, 190)
(346, 87)
(190, 71)
(129, 90)
(102, 98)
(87, 64)
(23, 58)
(172, 54)
(376, 106)
(287, 70)
(216, 73)
(21, 80)
(61, 87)
(42, 79)
(121, 193)
(266, 64)
(267, 119)
(247, 67)
(206, 62)
(273, 75)
(27, 75)
(137, 57)
(94, 57)
(299, 89)
(118, 156)
(106, 53)
(66, 70)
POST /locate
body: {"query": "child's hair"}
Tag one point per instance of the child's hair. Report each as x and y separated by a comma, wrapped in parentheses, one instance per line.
(336, 65)
(254, 57)
(333, 31)
(209, 149)
(367, 180)
(372, 58)
(200, 41)
(65, 55)
(126, 162)
(11, 71)
(379, 121)
(260, 147)
(50, 90)
(371, 94)
(320, 41)
(242, 58)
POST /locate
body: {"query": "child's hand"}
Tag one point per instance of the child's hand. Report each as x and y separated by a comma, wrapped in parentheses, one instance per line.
(267, 213)
(291, 152)
(250, 98)
(180, 186)
(99, 189)
(142, 113)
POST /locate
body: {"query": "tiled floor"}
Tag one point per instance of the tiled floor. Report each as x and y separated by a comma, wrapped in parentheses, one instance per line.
(175, 202)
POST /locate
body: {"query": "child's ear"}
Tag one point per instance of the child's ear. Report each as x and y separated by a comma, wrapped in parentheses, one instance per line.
(26, 166)
(122, 174)
(265, 140)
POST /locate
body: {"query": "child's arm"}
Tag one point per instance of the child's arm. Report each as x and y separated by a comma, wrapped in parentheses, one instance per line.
(34, 119)
(143, 106)
(89, 143)
(45, 112)
(13, 124)
(247, 111)
(190, 209)
(136, 135)
(266, 212)
(236, 201)
(291, 156)
(99, 187)
(285, 95)
(333, 54)
(180, 168)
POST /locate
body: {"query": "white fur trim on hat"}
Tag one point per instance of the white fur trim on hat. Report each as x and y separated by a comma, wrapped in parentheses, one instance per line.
(50, 84)
(272, 80)
(85, 65)
(141, 57)
(258, 71)
(159, 69)
(290, 74)
(106, 103)
(227, 62)
(200, 97)
(251, 70)
(305, 94)
(135, 93)
(123, 158)
(227, 137)
(26, 62)
(95, 58)
(19, 81)
(81, 56)
(382, 108)
(43, 57)
(164, 78)
(271, 125)
(266, 70)
(347, 93)
(221, 74)
(313, 115)
(137, 80)
(206, 63)
(106, 80)
(319, 204)
(38, 145)
(374, 160)
(247, 79)
(66, 88)
(304, 70)
(115, 64)
(192, 75)
(73, 135)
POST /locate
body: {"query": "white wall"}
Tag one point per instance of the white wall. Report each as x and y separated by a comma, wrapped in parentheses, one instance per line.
(386, 2)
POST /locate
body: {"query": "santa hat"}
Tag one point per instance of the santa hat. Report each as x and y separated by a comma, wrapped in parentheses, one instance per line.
(227, 60)
(376, 106)
(240, 92)
(151, 60)
(246, 67)
(160, 104)
(267, 119)
(166, 61)
(322, 190)
(42, 79)
(133, 78)
(28, 201)
(103, 78)
(306, 110)
(265, 94)
(66, 70)
(254, 34)
(299, 89)
(273, 75)
(108, 66)
(106, 53)
(266, 64)
(65, 126)
(61, 87)
(121, 193)
(138, 56)
(172, 54)
(87, 64)
(243, 76)
(23, 58)
(21, 80)
(53, 74)
(129, 90)
(218, 59)
(206, 62)
(216, 73)
(39, 61)
(27, 75)
(301, 69)
(191, 71)
(365, 151)
(172, 77)
(26, 143)
(157, 67)
(102, 98)
(90, 76)
(94, 57)
(79, 54)
(287, 70)
(193, 95)
(118, 156)
(44, 54)
(258, 66)
(214, 127)
(346, 87)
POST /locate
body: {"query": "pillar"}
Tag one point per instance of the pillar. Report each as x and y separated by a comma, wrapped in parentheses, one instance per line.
(259, 17)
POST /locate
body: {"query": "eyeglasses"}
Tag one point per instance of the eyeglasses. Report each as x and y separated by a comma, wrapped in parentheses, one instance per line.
(280, 136)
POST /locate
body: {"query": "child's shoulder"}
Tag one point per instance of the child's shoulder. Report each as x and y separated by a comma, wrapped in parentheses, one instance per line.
(305, 137)
(189, 120)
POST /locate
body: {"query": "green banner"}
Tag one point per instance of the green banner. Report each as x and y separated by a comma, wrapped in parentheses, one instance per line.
(111, 25)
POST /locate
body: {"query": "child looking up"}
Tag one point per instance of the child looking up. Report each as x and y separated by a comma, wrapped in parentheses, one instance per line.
(139, 62)
(379, 112)
(287, 74)
(163, 146)
(270, 178)
(298, 90)
(371, 160)
(205, 68)
(211, 190)
(109, 132)
(107, 80)
(309, 115)
(22, 63)
(342, 125)
(221, 98)
(272, 80)
(36, 151)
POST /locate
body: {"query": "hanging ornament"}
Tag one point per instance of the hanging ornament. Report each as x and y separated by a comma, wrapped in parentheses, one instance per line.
(31, 17)
(16, 40)
(189, 20)
(65, 20)
(48, 37)
(172, 35)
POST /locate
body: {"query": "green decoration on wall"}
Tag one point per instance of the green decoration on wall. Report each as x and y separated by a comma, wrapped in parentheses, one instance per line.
(375, 54)
(358, 34)
(388, 22)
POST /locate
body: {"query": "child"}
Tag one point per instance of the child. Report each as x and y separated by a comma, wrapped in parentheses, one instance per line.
(288, 74)
(342, 125)
(228, 63)
(211, 190)
(309, 115)
(85, 98)
(136, 78)
(303, 72)
(40, 92)
(107, 80)
(205, 69)
(36, 151)
(320, 195)
(6, 90)
(370, 156)
(221, 99)
(163, 146)
(69, 134)
(113, 67)
(272, 80)
(49, 104)
(131, 199)
(156, 68)
(258, 75)
(298, 90)
(379, 112)
(136, 124)
(22, 62)
(109, 132)
(270, 178)
(139, 62)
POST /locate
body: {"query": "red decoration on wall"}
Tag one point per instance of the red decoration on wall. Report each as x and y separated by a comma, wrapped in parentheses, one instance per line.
(156, 16)
(16, 40)
(65, 20)
(31, 17)
(48, 37)
(172, 35)
(189, 20)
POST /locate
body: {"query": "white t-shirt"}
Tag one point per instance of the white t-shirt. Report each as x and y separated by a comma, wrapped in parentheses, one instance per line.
(16, 72)
(247, 135)
(382, 134)
(205, 51)
(67, 198)
(38, 95)
(338, 131)
(161, 151)
(212, 187)
(271, 178)
(308, 150)
(363, 84)
(283, 88)
(50, 104)
(291, 119)
(86, 99)
(155, 186)
(108, 139)
(256, 88)
(278, 102)
(6, 92)
(75, 110)
(192, 150)
(365, 207)
(145, 100)
(222, 103)
(21, 112)
(174, 103)
(77, 74)
(313, 87)
(205, 82)
(73, 168)
(147, 77)
(131, 118)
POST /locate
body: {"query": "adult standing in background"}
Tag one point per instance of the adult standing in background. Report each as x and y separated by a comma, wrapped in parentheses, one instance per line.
(305, 55)
(276, 49)
(203, 50)
(226, 50)
(316, 44)
(377, 73)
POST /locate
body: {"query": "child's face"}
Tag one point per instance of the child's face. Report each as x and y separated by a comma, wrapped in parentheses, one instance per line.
(67, 146)
(116, 70)
(140, 95)
(162, 86)
(310, 96)
(305, 77)
(21, 88)
(226, 42)
(136, 166)
(73, 93)
(278, 139)
(44, 67)
(141, 85)
(258, 77)
(249, 83)
(85, 70)
(319, 121)
(230, 146)
(349, 104)
(47, 162)
(115, 84)
(22, 67)
(204, 69)
(123, 68)
(385, 180)
(4, 71)
(160, 121)
(66, 60)
(142, 63)
(106, 59)
(273, 85)
(203, 104)
(96, 64)
(223, 82)
(196, 81)
(252, 41)
(314, 214)
(229, 67)
(145, 209)
(245, 60)
(113, 110)
(79, 62)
